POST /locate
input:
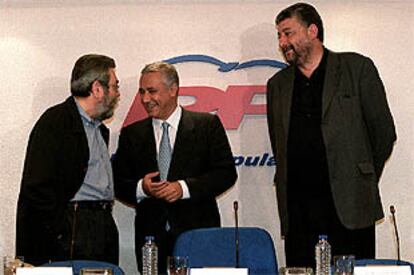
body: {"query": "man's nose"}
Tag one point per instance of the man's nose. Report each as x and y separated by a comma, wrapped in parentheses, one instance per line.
(145, 96)
(282, 41)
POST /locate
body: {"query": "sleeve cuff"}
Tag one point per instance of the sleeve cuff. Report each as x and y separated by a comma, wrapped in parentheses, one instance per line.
(184, 187)
(140, 192)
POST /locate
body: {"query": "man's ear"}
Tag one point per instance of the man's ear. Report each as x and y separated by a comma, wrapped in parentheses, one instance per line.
(313, 30)
(96, 89)
(174, 89)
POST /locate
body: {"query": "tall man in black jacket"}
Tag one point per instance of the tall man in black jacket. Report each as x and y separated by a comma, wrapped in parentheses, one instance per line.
(331, 131)
(65, 202)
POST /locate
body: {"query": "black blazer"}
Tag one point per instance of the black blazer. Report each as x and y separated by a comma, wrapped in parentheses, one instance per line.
(55, 166)
(357, 129)
(201, 156)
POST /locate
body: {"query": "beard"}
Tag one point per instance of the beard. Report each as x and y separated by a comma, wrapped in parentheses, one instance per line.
(106, 108)
(298, 54)
(291, 57)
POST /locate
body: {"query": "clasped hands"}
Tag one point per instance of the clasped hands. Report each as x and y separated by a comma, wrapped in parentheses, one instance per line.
(165, 190)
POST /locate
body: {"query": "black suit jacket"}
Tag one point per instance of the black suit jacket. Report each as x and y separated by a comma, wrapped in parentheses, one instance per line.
(357, 129)
(55, 166)
(201, 156)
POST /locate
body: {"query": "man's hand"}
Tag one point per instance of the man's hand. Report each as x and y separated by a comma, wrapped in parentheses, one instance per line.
(150, 186)
(170, 192)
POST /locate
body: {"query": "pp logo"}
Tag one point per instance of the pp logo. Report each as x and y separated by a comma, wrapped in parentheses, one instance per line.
(230, 105)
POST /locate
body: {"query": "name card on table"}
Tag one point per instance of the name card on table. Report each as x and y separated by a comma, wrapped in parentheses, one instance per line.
(219, 271)
(44, 270)
(383, 270)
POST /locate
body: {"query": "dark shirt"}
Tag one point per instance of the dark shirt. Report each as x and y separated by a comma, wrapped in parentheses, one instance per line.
(307, 165)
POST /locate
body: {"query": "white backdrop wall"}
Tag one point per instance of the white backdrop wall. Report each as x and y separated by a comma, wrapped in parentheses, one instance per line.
(40, 41)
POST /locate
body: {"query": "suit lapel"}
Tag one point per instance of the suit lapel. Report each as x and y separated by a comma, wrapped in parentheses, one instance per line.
(149, 146)
(332, 77)
(286, 88)
(183, 146)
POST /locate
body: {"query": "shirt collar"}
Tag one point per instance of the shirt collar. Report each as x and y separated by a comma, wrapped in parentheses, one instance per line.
(320, 69)
(173, 120)
(86, 119)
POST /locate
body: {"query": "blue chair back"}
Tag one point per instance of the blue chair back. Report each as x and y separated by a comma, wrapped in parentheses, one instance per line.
(365, 262)
(77, 265)
(215, 247)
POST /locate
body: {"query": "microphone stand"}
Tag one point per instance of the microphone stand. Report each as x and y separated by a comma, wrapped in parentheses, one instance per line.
(392, 209)
(237, 237)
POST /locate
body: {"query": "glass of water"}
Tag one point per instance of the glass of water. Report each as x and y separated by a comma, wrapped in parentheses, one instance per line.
(96, 271)
(344, 264)
(295, 271)
(11, 263)
(177, 265)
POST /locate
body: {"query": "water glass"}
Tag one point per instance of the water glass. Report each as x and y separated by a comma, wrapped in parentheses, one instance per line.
(295, 271)
(10, 263)
(177, 265)
(344, 264)
(96, 271)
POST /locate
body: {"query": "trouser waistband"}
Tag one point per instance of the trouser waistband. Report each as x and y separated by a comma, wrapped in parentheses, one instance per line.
(97, 205)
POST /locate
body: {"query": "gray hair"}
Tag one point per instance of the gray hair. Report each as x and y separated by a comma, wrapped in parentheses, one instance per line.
(167, 70)
(87, 69)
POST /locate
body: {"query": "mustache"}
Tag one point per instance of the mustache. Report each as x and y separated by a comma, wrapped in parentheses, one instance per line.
(288, 48)
(114, 102)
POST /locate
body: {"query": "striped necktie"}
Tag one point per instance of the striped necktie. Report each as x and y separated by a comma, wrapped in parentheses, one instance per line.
(164, 154)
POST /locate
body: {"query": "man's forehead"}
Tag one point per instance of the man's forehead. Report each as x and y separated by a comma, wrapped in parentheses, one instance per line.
(290, 22)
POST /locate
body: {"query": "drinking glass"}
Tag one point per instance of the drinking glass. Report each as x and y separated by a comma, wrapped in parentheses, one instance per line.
(344, 264)
(10, 263)
(96, 271)
(296, 271)
(177, 265)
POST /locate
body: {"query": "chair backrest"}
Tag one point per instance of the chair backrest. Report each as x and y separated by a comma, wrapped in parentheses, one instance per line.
(215, 247)
(77, 265)
(365, 262)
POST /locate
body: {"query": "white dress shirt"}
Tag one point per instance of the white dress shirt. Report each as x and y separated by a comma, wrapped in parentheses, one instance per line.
(173, 121)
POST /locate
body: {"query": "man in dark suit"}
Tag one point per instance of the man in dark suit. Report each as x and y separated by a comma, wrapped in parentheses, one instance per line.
(172, 165)
(65, 203)
(331, 131)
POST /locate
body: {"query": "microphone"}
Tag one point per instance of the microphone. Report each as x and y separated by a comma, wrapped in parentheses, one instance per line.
(394, 220)
(237, 237)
